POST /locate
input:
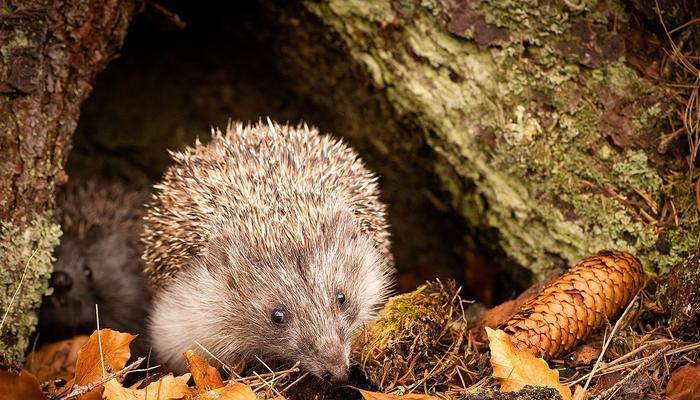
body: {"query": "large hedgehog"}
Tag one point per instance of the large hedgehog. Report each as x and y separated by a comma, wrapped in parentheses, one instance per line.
(97, 262)
(270, 241)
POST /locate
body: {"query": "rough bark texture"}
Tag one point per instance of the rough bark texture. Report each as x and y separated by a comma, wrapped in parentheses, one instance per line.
(50, 52)
(531, 119)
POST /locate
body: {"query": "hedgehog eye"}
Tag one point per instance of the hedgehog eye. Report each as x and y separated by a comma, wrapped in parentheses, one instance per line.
(340, 298)
(279, 316)
(87, 271)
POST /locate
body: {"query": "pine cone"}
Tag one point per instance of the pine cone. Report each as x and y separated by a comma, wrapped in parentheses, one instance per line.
(577, 304)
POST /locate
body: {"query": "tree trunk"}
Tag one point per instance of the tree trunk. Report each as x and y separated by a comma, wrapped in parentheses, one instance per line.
(50, 52)
(536, 123)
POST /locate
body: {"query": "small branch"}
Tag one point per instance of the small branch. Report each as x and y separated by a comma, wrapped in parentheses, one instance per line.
(644, 365)
(80, 390)
(613, 333)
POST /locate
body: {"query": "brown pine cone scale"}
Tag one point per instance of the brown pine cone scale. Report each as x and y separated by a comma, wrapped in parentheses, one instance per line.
(570, 309)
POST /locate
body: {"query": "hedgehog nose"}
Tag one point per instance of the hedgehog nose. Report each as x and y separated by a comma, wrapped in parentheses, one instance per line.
(336, 376)
(60, 281)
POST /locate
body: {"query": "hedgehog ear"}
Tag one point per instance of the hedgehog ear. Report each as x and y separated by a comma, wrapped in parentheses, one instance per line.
(217, 253)
(338, 217)
(331, 221)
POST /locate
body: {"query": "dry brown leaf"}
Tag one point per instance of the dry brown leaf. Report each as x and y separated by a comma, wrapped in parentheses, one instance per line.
(205, 376)
(584, 355)
(55, 360)
(237, 391)
(516, 368)
(684, 383)
(382, 396)
(22, 386)
(115, 352)
(166, 388)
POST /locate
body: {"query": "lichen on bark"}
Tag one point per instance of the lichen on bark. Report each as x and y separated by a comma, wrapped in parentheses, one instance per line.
(545, 137)
(25, 251)
(50, 52)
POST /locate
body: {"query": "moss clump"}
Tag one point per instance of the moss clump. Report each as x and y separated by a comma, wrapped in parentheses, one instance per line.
(24, 251)
(417, 341)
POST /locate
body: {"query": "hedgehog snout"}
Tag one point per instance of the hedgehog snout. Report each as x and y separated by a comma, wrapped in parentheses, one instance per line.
(61, 282)
(337, 377)
(334, 368)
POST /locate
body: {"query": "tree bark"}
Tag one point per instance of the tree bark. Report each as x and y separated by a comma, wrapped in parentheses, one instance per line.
(536, 123)
(50, 52)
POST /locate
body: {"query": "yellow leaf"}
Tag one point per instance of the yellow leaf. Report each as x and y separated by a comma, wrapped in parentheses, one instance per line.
(55, 360)
(115, 353)
(515, 368)
(205, 376)
(166, 388)
(237, 391)
(382, 396)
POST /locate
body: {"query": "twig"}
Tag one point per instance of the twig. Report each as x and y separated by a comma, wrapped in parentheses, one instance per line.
(613, 366)
(642, 366)
(99, 340)
(613, 333)
(80, 390)
(304, 375)
(268, 384)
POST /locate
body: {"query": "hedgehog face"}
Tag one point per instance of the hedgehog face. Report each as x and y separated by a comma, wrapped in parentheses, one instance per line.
(318, 305)
(296, 300)
(88, 272)
(69, 309)
(310, 297)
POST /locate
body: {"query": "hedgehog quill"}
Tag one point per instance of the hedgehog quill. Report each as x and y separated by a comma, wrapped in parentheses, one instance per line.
(271, 241)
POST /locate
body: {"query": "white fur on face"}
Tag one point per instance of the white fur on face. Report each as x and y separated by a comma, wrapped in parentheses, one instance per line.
(226, 298)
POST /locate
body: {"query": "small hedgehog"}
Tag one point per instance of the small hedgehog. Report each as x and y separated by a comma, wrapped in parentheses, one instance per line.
(97, 262)
(270, 241)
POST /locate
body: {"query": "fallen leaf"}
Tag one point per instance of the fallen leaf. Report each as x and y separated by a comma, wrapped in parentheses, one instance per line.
(500, 313)
(584, 355)
(516, 368)
(115, 352)
(55, 360)
(684, 383)
(22, 386)
(382, 396)
(205, 376)
(237, 391)
(166, 388)
(636, 388)
(605, 382)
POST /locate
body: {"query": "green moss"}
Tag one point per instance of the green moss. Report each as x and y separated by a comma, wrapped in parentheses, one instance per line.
(635, 173)
(27, 251)
(546, 179)
(616, 76)
(648, 115)
(579, 126)
(531, 18)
